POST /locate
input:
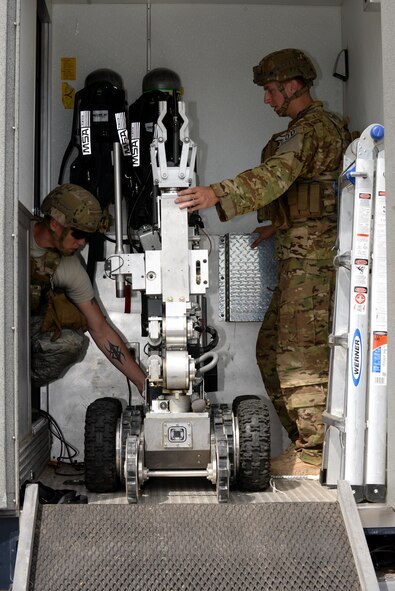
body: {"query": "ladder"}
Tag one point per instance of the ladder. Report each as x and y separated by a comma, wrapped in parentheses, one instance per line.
(355, 416)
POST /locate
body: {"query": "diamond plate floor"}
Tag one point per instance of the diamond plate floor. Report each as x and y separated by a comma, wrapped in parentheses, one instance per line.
(250, 547)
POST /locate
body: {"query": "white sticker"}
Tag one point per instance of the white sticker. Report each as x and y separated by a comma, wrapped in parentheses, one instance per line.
(100, 116)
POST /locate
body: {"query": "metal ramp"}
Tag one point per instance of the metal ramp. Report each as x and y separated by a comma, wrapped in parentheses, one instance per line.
(259, 546)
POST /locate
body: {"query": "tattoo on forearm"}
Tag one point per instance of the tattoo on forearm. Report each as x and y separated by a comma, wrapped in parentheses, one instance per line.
(115, 352)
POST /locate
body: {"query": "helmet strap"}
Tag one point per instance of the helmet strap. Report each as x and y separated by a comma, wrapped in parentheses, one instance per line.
(282, 111)
(59, 239)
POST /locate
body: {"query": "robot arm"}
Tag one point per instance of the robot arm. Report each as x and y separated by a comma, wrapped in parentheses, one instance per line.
(178, 271)
(179, 176)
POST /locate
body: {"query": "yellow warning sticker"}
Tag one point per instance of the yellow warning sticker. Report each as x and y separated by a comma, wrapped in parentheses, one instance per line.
(68, 68)
(68, 94)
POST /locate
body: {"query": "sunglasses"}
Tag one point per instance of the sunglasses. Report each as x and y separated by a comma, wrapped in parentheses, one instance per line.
(80, 234)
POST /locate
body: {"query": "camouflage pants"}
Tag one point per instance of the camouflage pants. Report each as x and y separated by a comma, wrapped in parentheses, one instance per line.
(292, 350)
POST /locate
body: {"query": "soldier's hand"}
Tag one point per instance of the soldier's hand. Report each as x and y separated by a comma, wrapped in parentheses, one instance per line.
(264, 232)
(195, 198)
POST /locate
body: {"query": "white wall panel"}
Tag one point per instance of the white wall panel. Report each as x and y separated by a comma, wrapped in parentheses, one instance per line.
(363, 92)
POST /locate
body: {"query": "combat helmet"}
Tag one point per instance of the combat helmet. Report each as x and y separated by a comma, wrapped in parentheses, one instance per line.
(285, 64)
(104, 75)
(73, 207)
(161, 79)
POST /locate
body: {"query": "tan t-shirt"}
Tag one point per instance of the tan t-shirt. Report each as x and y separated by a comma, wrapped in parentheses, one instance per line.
(69, 276)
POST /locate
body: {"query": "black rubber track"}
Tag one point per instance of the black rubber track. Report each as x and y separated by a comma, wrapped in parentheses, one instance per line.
(100, 445)
(254, 445)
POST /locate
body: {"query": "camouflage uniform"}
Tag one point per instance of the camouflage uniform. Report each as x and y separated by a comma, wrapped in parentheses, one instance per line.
(57, 325)
(293, 187)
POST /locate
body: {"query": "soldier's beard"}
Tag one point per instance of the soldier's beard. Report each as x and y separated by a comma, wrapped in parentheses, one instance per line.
(63, 251)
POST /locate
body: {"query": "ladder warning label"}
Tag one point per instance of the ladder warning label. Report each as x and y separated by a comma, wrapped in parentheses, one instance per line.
(379, 357)
(360, 298)
(361, 282)
(363, 226)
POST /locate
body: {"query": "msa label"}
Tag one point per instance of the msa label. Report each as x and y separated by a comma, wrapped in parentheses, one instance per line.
(85, 123)
(135, 142)
(120, 119)
(356, 357)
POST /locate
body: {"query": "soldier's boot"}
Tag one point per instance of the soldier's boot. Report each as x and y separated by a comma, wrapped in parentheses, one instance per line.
(305, 405)
(289, 463)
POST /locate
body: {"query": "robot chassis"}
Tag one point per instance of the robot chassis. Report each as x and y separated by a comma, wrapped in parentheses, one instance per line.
(176, 432)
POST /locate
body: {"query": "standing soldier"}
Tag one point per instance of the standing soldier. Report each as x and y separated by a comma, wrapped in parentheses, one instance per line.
(293, 188)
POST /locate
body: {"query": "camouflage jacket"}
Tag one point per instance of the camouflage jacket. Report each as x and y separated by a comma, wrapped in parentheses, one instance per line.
(309, 151)
(42, 270)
